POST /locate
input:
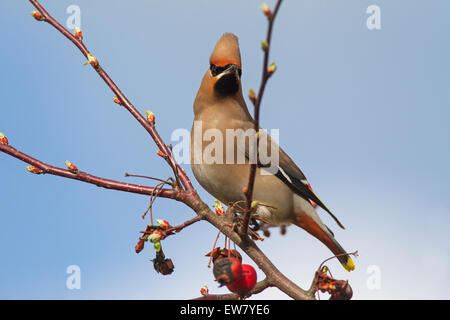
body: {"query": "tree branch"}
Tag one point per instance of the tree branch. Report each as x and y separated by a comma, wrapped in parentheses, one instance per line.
(88, 178)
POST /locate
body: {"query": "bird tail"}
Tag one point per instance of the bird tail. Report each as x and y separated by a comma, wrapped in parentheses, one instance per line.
(326, 237)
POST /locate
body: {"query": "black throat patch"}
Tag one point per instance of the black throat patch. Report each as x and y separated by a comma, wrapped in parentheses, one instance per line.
(227, 85)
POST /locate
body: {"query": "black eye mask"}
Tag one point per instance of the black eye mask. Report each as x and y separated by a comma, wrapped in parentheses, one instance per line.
(216, 70)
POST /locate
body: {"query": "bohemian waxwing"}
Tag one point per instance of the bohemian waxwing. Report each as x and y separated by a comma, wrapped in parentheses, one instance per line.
(284, 194)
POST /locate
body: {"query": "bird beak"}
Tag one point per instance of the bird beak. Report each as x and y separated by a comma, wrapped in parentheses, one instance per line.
(232, 69)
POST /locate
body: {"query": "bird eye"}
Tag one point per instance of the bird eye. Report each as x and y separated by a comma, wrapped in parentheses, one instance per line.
(215, 70)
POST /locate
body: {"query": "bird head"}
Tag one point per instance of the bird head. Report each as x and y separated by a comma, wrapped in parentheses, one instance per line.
(225, 66)
(222, 81)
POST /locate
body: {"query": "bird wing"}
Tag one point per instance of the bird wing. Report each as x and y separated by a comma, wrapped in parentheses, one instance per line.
(286, 170)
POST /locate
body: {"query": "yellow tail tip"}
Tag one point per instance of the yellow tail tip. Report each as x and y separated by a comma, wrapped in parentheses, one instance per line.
(350, 265)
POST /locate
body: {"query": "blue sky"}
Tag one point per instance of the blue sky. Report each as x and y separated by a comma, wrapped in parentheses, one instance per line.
(363, 112)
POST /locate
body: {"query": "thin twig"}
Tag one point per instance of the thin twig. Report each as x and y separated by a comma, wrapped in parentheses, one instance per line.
(180, 227)
(259, 287)
(148, 177)
(153, 197)
(257, 104)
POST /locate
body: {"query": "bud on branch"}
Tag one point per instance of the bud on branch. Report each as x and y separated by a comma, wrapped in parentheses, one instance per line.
(3, 139)
(78, 33)
(71, 167)
(272, 68)
(37, 15)
(34, 170)
(92, 60)
(266, 10)
(150, 117)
